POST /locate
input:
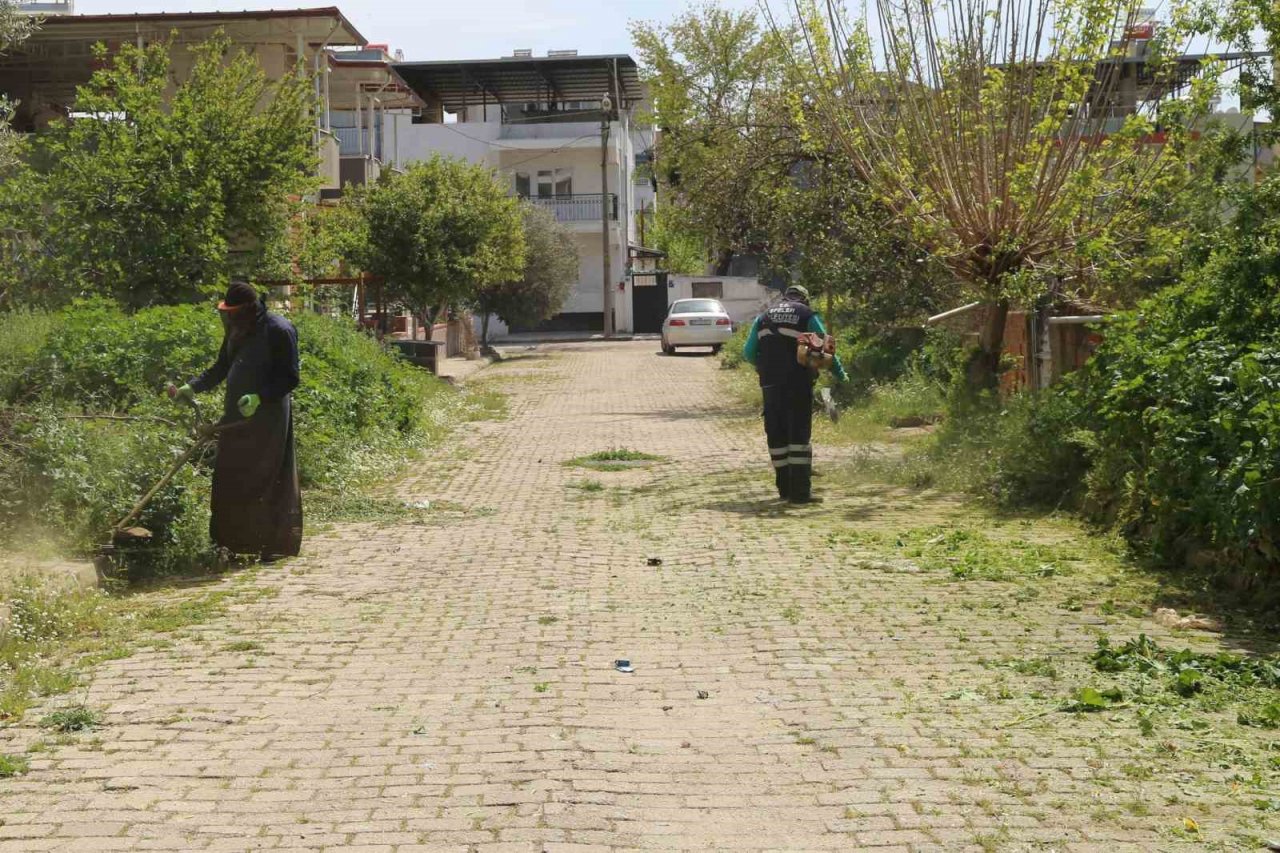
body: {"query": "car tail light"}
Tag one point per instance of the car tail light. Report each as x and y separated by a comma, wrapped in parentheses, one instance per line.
(677, 322)
(724, 321)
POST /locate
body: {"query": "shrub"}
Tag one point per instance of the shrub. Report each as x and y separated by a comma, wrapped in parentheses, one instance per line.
(1030, 450)
(731, 354)
(359, 409)
(880, 359)
(1171, 433)
(1183, 399)
(23, 335)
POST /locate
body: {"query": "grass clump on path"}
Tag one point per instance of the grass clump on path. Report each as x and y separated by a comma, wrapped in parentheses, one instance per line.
(617, 459)
(75, 719)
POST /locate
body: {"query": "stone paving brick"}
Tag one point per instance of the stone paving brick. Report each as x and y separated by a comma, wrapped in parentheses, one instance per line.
(448, 686)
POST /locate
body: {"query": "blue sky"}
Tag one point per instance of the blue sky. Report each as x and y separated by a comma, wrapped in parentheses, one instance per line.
(460, 29)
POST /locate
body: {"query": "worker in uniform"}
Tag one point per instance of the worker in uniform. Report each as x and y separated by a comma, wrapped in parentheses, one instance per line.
(787, 378)
(257, 503)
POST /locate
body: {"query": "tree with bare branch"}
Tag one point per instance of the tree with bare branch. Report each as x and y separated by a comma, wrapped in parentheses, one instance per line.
(1015, 138)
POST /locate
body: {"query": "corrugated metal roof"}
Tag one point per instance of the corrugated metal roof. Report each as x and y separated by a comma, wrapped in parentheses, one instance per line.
(458, 84)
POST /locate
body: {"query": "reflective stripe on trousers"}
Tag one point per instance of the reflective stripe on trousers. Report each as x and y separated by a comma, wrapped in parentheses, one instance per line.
(780, 456)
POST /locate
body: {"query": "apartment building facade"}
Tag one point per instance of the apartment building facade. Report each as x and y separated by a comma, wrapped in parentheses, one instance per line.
(542, 124)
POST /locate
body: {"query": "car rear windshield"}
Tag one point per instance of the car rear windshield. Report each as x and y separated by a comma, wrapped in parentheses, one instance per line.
(697, 306)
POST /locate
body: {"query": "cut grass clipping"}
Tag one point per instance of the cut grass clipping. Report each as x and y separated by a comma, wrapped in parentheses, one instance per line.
(619, 459)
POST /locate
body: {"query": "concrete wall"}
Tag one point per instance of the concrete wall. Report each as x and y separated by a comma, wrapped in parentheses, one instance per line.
(408, 143)
(744, 298)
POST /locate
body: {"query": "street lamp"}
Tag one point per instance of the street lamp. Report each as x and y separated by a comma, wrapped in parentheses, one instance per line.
(606, 113)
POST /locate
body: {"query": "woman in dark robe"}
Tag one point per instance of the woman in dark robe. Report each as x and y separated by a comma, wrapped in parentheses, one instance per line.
(257, 503)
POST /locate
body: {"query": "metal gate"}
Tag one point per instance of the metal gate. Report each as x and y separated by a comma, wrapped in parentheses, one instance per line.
(649, 301)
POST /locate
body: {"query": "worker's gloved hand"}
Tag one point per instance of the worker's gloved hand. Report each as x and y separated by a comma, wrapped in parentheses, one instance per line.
(185, 394)
(249, 404)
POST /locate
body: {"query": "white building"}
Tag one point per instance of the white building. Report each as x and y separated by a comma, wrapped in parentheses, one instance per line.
(539, 122)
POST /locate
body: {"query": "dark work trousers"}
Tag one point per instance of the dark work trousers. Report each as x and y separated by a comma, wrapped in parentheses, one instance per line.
(788, 424)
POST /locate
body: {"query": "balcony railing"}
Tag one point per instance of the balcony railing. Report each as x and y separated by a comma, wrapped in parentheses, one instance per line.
(578, 208)
(354, 141)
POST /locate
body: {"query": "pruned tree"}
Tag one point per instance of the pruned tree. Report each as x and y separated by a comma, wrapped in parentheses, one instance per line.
(439, 233)
(1015, 138)
(550, 269)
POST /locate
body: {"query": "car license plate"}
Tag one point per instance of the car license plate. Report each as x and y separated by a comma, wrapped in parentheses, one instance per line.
(701, 321)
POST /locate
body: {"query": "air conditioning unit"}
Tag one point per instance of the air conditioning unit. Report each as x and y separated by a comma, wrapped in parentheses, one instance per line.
(523, 53)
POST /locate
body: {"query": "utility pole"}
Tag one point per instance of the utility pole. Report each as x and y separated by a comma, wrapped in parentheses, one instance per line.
(606, 113)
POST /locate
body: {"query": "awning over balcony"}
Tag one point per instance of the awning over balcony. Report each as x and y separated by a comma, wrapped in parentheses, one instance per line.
(458, 85)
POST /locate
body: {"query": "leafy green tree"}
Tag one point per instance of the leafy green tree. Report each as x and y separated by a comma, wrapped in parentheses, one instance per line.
(686, 253)
(717, 80)
(156, 191)
(439, 233)
(550, 269)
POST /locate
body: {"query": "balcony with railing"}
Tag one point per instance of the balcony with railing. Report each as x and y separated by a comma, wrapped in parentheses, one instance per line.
(585, 208)
(356, 142)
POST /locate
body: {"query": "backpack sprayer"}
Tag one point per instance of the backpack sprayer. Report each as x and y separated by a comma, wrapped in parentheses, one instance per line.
(817, 353)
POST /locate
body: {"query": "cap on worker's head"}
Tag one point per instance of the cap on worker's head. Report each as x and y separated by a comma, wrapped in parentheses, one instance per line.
(239, 294)
(799, 291)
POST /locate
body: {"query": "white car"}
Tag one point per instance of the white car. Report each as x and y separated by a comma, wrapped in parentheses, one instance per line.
(696, 323)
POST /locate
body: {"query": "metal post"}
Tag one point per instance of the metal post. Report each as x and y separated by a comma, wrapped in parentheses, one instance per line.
(604, 216)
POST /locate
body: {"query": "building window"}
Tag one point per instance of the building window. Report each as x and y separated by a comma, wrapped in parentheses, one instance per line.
(554, 182)
(708, 290)
(522, 184)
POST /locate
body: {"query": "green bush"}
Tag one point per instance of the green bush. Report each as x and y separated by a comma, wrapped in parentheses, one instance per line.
(1183, 400)
(1031, 450)
(1171, 433)
(731, 355)
(878, 360)
(23, 335)
(359, 409)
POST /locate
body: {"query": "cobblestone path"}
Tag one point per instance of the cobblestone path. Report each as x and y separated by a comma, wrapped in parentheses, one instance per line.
(449, 685)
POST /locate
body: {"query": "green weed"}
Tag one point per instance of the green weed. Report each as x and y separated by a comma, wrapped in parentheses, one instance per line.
(13, 765)
(75, 719)
(618, 459)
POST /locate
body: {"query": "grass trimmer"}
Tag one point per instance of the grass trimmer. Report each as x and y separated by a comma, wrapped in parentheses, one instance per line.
(124, 533)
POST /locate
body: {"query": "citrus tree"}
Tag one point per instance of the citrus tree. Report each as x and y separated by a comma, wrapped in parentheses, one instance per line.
(439, 233)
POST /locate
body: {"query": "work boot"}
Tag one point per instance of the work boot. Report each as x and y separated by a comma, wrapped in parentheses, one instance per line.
(783, 480)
